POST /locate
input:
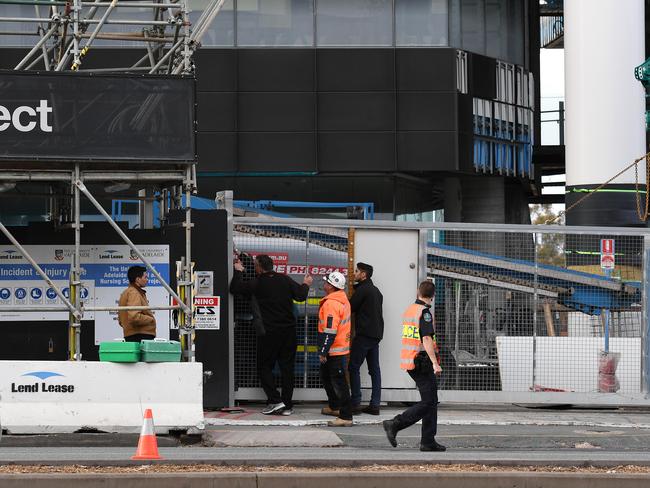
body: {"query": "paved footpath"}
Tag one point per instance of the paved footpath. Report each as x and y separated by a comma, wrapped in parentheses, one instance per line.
(494, 435)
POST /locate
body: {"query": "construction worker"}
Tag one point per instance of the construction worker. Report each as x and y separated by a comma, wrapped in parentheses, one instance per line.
(418, 358)
(334, 348)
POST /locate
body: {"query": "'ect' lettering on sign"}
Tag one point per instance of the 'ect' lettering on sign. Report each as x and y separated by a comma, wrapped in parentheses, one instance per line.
(25, 118)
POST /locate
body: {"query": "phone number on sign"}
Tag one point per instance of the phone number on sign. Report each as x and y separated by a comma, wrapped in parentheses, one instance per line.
(312, 270)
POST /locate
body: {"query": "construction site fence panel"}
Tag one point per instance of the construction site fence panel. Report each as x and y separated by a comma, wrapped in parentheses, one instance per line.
(523, 313)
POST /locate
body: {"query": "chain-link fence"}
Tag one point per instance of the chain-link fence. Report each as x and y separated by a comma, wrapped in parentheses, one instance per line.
(518, 309)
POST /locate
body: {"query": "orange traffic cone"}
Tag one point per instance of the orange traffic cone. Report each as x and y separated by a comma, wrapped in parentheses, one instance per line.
(147, 445)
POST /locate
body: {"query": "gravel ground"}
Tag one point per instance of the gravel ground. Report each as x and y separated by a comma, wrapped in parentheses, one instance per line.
(424, 468)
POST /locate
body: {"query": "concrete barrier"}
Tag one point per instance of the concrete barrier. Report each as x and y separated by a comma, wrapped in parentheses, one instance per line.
(327, 479)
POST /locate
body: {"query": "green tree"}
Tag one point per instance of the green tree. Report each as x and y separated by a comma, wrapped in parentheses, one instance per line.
(549, 247)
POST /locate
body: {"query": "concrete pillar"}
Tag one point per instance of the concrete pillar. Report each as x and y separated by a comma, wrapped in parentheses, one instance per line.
(605, 126)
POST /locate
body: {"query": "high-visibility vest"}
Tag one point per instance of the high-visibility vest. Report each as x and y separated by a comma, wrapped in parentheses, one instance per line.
(411, 342)
(337, 306)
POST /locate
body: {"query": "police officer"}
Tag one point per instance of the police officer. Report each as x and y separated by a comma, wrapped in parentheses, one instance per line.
(418, 358)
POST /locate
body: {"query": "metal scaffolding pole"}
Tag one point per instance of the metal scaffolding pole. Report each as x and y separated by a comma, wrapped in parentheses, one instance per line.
(69, 306)
(126, 239)
(38, 46)
(75, 277)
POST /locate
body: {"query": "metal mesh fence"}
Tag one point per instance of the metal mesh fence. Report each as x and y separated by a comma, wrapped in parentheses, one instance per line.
(516, 311)
(295, 251)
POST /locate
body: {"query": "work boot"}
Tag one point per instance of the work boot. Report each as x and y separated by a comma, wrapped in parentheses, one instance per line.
(339, 422)
(329, 411)
(371, 410)
(391, 431)
(432, 447)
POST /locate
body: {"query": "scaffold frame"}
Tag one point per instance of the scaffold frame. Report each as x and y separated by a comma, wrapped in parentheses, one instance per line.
(67, 30)
(181, 182)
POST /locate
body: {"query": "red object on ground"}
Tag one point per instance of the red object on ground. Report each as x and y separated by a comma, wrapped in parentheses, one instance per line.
(147, 444)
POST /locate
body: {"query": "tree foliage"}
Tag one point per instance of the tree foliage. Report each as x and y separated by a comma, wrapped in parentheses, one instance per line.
(549, 247)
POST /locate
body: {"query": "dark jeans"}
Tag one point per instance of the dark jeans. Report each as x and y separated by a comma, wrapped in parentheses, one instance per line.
(365, 348)
(332, 374)
(426, 410)
(277, 345)
(139, 337)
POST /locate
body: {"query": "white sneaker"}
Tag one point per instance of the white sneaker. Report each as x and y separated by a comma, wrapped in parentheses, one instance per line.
(273, 408)
(287, 411)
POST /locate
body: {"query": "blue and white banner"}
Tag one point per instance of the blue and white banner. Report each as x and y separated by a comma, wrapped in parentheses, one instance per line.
(104, 277)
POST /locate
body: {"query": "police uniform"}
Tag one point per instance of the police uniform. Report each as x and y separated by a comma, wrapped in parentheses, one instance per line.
(417, 322)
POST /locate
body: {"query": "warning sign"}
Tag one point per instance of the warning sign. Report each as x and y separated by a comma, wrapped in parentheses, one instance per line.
(607, 259)
(206, 312)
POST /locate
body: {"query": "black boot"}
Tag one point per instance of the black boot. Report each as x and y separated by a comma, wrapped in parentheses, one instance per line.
(391, 431)
(432, 447)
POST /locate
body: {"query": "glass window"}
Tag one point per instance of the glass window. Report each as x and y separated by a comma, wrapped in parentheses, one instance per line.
(21, 33)
(473, 25)
(354, 22)
(496, 28)
(515, 39)
(275, 23)
(222, 29)
(421, 23)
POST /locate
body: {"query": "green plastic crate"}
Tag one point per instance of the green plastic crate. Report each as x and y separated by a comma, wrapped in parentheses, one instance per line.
(119, 351)
(160, 351)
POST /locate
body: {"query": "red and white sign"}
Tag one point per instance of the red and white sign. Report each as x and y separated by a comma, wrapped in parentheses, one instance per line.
(313, 269)
(206, 312)
(278, 257)
(607, 259)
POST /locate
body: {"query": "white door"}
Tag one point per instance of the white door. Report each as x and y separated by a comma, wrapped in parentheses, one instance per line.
(394, 257)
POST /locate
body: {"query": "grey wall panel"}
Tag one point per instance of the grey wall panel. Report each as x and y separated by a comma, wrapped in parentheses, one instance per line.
(277, 152)
(354, 152)
(276, 112)
(426, 111)
(426, 151)
(356, 111)
(217, 111)
(216, 70)
(217, 151)
(275, 69)
(355, 69)
(426, 69)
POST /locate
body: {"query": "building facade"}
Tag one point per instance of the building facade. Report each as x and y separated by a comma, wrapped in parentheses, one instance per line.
(414, 105)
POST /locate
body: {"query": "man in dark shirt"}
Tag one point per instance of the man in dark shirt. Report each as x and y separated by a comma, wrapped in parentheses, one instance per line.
(366, 303)
(275, 294)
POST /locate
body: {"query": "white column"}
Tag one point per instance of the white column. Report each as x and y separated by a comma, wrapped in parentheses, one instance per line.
(605, 125)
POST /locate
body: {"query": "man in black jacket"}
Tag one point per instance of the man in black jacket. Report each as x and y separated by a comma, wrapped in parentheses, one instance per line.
(275, 294)
(366, 304)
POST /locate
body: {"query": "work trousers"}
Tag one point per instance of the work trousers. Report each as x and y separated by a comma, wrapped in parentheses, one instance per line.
(332, 374)
(365, 349)
(278, 345)
(139, 337)
(426, 409)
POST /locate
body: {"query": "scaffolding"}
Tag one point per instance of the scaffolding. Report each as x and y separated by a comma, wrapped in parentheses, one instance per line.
(66, 31)
(180, 182)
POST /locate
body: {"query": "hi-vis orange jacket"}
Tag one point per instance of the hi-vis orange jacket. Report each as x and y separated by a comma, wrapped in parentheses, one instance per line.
(334, 324)
(411, 338)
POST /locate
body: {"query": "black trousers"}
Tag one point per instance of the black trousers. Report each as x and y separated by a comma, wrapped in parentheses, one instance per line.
(278, 345)
(140, 337)
(332, 374)
(426, 410)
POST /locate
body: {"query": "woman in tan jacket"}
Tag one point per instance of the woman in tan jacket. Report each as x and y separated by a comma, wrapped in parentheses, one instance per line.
(137, 324)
